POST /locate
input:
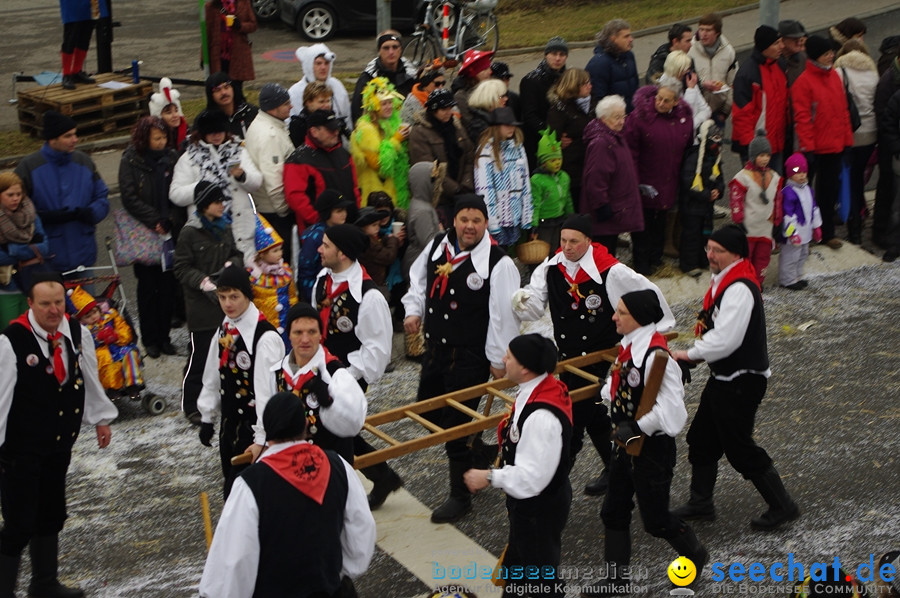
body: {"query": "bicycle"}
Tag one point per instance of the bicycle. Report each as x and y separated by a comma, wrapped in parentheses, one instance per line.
(471, 25)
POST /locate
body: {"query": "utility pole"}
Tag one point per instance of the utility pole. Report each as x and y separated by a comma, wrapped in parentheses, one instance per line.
(383, 16)
(768, 13)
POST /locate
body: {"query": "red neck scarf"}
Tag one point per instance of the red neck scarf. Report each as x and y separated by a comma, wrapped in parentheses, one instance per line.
(305, 467)
(657, 341)
(444, 270)
(602, 259)
(741, 270)
(330, 295)
(550, 391)
(295, 383)
(229, 338)
(55, 343)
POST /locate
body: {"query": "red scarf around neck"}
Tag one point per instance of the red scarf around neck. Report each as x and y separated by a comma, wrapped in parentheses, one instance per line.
(305, 467)
(742, 269)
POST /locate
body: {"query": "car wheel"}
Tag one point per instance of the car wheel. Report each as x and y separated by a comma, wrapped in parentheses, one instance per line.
(317, 22)
(265, 10)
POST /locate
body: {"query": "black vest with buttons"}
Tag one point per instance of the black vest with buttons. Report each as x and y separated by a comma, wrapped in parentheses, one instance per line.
(44, 417)
(236, 390)
(624, 405)
(753, 353)
(341, 339)
(462, 316)
(299, 539)
(579, 329)
(318, 433)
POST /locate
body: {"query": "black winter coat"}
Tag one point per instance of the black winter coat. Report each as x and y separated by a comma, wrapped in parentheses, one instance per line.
(145, 190)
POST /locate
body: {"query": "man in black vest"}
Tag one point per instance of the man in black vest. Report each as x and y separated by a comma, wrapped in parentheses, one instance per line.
(534, 472)
(237, 377)
(335, 403)
(460, 285)
(357, 329)
(50, 387)
(733, 343)
(582, 284)
(304, 512)
(643, 360)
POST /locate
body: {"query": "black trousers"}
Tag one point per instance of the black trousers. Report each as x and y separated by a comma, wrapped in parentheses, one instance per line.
(77, 35)
(589, 415)
(156, 302)
(723, 425)
(282, 225)
(648, 243)
(535, 540)
(193, 371)
(695, 231)
(648, 477)
(33, 497)
(859, 158)
(445, 369)
(235, 435)
(884, 192)
(826, 169)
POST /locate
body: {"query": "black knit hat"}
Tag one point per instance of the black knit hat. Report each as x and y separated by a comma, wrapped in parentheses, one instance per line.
(500, 70)
(211, 121)
(349, 239)
(733, 239)
(45, 276)
(469, 200)
(556, 44)
(330, 200)
(580, 222)
(324, 118)
(816, 46)
(369, 215)
(535, 352)
(643, 306)
(55, 124)
(206, 193)
(284, 417)
(271, 96)
(235, 277)
(764, 37)
(440, 98)
(302, 310)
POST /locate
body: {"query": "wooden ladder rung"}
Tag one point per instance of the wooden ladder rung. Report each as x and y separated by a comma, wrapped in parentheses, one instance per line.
(386, 437)
(431, 426)
(581, 373)
(501, 395)
(460, 407)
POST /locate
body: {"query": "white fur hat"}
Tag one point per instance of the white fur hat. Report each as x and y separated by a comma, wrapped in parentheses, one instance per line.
(165, 96)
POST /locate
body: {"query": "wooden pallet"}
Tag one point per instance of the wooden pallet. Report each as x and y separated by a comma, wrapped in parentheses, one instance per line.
(95, 109)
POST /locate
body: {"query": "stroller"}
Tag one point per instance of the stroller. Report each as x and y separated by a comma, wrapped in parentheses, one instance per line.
(120, 363)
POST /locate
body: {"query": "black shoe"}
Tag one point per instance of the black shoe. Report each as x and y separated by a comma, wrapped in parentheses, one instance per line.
(452, 510)
(598, 486)
(890, 256)
(151, 351)
(82, 77)
(382, 488)
(68, 82)
(797, 286)
(168, 348)
(194, 417)
(782, 507)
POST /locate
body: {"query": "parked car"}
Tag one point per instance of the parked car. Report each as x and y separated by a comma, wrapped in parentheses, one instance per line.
(319, 20)
(265, 10)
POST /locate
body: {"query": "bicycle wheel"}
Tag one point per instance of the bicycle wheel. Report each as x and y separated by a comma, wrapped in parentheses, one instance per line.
(479, 32)
(422, 48)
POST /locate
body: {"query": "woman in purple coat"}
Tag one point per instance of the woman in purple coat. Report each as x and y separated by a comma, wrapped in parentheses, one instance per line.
(658, 131)
(609, 191)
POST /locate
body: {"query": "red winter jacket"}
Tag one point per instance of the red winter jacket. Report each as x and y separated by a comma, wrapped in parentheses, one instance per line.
(821, 118)
(760, 79)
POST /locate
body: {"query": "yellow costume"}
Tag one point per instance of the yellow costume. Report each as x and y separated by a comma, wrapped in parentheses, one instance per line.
(274, 291)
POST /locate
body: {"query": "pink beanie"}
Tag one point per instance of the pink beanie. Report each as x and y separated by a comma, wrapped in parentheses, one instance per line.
(796, 163)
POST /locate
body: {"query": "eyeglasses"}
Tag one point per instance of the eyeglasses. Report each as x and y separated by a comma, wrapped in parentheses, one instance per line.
(440, 83)
(711, 249)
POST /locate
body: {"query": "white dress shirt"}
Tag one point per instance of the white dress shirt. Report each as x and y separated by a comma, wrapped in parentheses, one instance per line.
(98, 409)
(347, 414)
(373, 327)
(530, 302)
(233, 560)
(269, 353)
(668, 414)
(503, 325)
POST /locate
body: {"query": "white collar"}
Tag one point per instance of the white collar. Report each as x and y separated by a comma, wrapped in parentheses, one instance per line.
(246, 325)
(42, 334)
(271, 449)
(526, 389)
(640, 341)
(586, 263)
(316, 363)
(717, 278)
(480, 254)
(352, 275)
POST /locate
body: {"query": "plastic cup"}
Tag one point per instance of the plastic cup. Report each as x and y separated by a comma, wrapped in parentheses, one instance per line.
(396, 227)
(229, 20)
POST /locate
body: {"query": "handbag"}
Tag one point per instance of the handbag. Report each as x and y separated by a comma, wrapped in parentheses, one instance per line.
(135, 243)
(855, 121)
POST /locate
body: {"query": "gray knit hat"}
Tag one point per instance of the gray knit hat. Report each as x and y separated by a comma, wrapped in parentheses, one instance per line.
(556, 44)
(271, 96)
(759, 145)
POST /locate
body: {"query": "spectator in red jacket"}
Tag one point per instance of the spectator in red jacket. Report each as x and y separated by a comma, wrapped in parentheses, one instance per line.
(761, 85)
(822, 125)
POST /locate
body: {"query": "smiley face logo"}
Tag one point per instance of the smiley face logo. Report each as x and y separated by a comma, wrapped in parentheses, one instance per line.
(682, 571)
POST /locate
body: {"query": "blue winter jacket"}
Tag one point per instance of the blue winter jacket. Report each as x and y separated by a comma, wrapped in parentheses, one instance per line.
(613, 75)
(64, 187)
(80, 10)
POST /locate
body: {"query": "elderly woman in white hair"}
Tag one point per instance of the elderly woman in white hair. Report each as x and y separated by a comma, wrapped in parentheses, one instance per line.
(485, 98)
(609, 192)
(679, 68)
(317, 62)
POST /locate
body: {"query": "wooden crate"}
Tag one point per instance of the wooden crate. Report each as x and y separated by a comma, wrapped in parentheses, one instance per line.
(96, 110)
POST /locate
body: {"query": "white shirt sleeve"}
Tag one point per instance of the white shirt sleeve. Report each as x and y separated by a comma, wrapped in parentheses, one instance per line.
(269, 354)
(731, 323)
(668, 414)
(347, 414)
(184, 179)
(700, 109)
(233, 560)
(622, 280)
(503, 325)
(537, 457)
(375, 331)
(10, 375)
(209, 403)
(358, 535)
(98, 409)
(414, 299)
(530, 302)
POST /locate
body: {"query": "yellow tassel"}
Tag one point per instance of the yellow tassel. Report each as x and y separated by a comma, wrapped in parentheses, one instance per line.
(698, 183)
(715, 170)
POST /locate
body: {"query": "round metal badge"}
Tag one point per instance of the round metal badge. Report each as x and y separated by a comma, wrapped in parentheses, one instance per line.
(344, 324)
(513, 433)
(32, 360)
(312, 401)
(243, 360)
(474, 282)
(634, 377)
(593, 301)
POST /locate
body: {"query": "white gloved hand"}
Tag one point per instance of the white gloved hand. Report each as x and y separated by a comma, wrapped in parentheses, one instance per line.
(207, 285)
(519, 299)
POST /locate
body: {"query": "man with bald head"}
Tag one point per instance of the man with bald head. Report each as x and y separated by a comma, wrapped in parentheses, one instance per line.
(50, 387)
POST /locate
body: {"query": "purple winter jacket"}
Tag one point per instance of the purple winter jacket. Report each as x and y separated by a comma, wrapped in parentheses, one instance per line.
(609, 179)
(658, 142)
